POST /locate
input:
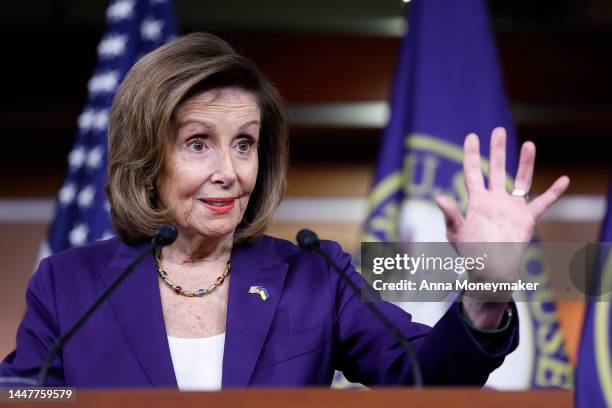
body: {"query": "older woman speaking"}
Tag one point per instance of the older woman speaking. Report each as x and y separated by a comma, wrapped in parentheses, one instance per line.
(198, 137)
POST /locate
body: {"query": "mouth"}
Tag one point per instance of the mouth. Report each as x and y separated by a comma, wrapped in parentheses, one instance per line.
(219, 205)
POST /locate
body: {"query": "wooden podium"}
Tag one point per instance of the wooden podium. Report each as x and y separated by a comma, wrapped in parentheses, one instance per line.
(317, 397)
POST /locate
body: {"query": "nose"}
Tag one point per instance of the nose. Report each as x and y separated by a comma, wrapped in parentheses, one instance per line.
(224, 172)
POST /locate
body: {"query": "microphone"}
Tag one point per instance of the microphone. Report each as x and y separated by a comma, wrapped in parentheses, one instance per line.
(309, 241)
(165, 235)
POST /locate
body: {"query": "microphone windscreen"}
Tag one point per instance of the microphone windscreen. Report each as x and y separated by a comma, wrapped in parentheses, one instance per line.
(165, 235)
(307, 239)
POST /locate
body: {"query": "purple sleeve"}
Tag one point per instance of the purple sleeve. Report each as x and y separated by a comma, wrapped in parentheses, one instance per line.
(449, 353)
(37, 331)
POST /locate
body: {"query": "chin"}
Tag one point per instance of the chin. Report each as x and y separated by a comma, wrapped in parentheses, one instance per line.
(217, 231)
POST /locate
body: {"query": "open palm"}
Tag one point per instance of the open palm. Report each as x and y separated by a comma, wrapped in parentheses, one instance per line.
(494, 214)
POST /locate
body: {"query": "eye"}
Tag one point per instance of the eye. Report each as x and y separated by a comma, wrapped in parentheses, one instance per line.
(196, 143)
(244, 145)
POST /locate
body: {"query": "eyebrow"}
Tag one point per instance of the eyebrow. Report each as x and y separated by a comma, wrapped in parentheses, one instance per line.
(250, 123)
(211, 126)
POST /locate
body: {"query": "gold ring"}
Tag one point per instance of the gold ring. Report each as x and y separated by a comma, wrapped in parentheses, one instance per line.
(519, 192)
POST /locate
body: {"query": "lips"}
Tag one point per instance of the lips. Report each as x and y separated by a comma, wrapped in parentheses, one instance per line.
(219, 205)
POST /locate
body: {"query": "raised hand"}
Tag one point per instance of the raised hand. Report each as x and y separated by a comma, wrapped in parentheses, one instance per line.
(494, 214)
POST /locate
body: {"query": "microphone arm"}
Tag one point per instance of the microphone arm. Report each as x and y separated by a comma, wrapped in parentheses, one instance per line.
(309, 241)
(165, 235)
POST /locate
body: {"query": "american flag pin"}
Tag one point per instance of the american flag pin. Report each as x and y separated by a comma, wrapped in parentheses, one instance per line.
(261, 291)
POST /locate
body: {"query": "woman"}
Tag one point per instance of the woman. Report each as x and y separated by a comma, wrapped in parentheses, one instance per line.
(198, 137)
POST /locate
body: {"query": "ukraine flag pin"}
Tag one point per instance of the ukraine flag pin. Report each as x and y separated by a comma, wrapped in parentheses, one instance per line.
(263, 292)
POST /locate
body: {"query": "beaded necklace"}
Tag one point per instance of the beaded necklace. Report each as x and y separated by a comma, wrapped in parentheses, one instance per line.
(179, 290)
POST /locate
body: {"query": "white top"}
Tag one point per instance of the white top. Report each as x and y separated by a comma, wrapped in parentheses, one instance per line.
(197, 362)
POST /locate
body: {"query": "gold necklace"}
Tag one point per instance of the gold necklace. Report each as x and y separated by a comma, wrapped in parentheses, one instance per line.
(198, 293)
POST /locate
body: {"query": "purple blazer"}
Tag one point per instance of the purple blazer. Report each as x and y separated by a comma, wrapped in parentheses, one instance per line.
(310, 325)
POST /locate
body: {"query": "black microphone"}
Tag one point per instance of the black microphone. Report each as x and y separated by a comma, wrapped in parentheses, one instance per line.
(165, 235)
(309, 241)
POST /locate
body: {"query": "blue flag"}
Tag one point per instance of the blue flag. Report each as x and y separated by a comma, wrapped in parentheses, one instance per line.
(594, 369)
(134, 27)
(448, 83)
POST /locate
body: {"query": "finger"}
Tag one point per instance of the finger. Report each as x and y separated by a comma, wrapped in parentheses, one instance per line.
(471, 163)
(524, 174)
(497, 160)
(544, 201)
(452, 215)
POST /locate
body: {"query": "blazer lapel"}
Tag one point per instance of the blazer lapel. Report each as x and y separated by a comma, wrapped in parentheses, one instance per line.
(137, 305)
(249, 316)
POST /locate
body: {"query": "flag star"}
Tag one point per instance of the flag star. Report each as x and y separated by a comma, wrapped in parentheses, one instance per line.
(78, 235)
(100, 119)
(151, 29)
(85, 120)
(67, 193)
(104, 82)
(76, 157)
(86, 197)
(94, 158)
(120, 10)
(112, 45)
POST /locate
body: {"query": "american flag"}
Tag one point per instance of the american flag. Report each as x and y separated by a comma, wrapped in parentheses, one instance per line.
(133, 28)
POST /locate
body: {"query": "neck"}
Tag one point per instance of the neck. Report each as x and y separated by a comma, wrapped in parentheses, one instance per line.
(196, 249)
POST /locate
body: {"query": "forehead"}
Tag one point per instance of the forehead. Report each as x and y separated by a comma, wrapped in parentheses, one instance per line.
(212, 103)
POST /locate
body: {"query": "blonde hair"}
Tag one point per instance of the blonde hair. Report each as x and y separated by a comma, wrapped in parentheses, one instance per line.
(141, 126)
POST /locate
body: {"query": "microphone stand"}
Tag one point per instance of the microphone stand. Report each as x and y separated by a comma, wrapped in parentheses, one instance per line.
(165, 235)
(310, 241)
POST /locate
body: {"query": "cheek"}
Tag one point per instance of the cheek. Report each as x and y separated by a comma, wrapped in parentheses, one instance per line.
(164, 189)
(251, 177)
(179, 184)
(248, 176)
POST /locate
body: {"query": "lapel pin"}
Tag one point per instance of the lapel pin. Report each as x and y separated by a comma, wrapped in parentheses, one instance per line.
(263, 292)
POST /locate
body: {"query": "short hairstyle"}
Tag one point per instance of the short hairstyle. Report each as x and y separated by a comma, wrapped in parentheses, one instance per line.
(141, 126)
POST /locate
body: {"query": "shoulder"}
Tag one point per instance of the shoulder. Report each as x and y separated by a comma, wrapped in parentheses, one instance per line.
(306, 267)
(72, 271)
(78, 264)
(282, 250)
(91, 253)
